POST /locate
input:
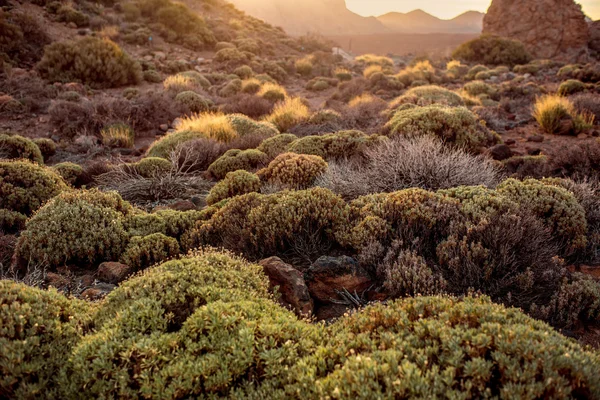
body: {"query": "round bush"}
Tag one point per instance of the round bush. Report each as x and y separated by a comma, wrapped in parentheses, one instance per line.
(193, 101)
(430, 94)
(11, 222)
(234, 160)
(46, 146)
(81, 226)
(70, 172)
(142, 252)
(94, 61)
(25, 186)
(570, 86)
(15, 146)
(152, 166)
(152, 76)
(276, 145)
(493, 50)
(454, 125)
(293, 171)
(235, 183)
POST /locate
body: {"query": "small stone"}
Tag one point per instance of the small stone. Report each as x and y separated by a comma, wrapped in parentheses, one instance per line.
(159, 55)
(176, 123)
(113, 272)
(500, 152)
(534, 151)
(98, 291)
(582, 136)
(510, 142)
(293, 289)
(183, 205)
(164, 127)
(535, 138)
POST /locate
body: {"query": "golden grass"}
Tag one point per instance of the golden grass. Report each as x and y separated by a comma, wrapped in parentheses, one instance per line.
(551, 110)
(272, 92)
(371, 70)
(288, 114)
(363, 99)
(179, 83)
(212, 126)
(373, 59)
(304, 66)
(118, 135)
(251, 86)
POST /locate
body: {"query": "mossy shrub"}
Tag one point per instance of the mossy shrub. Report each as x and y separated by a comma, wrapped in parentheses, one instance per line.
(233, 160)
(244, 72)
(70, 172)
(338, 145)
(455, 125)
(46, 146)
(17, 147)
(193, 102)
(427, 95)
(152, 76)
(152, 166)
(293, 171)
(144, 251)
(493, 50)
(97, 62)
(11, 221)
(25, 186)
(77, 226)
(276, 145)
(570, 87)
(234, 184)
(172, 223)
(38, 329)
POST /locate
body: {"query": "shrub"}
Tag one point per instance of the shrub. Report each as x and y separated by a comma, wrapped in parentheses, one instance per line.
(372, 59)
(493, 50)
(38, 329)
(557, 115)
(531, 69)
(70, 172)
(570, 86)
(151, 166)
(249, 105)
(23, 38)
(342, 144)
(11, 222)
(557, 207)
(477, 88)
(68, 14)
(244, 72)
(234, 184)
(276, 145)
(586, 103)
(171, 223)
(408, 274)
(15, 147)
(272, 92)
(288, 114)
(422, 71)
(402, 163)
(152, 76)
(25, 186)
(234, 160)
(251, 86)
(288, 224)
(232, 88)
(97, 62)
(142, 252)
(454, 125)
(427, 95)
(343, 74)
(231, 56)
(293, 171)
(304, 66)
(193, 102)
(118, 135)
(82, 226)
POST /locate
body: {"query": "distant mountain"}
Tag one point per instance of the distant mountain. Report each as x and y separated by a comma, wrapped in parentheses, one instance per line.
(419, 21)
(328, 17)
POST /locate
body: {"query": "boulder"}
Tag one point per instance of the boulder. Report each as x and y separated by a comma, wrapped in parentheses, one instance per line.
(98, 291)
(330, 274)
(594, 27)
(113, 272)
(294, 293)
(500, 152)
(549, 29)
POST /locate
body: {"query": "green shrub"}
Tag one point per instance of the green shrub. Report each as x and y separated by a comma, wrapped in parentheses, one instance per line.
(152, 166)
(276, 145)
(11, 221)
(234, 160)
(231, 56)
(97, 62)
(427, 95)
(455, 125)
(244, 72)
(234, 184)
(152, 76)
(295, 222)
(343, 74)
(477, 69)
(182, 24)
(293, 171)
(476, 88)
(81, 226)
(570, 86)
(70, 172)
(251, 86)
(493, 50)
(142, 252)
(193, 102)
(409, 275)
(531, 69)
(338, 145)
(38, 329)
(16, 147)
(232, 88)
(172, 223)
(25, 186)
(68, 14)
(556, 206)
(46, 146)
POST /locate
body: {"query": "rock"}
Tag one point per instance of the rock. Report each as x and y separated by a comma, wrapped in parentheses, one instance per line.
(594, 272)
(159, 55)
(113, 272)
(582, 136)
(164, 127)
(293, 289)
(329, 274)
(57, 281)
(567, 127)
(595, 133)
(125, 152)
(176, 123)
(199, 201)
(527, 75)
(86, 280)
(331, 311)
(500, 152)
(548, 28)
(534, 151)
(183, 205)
(148, 58)
(535, 138)
(98, 291)
(510, 142)
(594, 43)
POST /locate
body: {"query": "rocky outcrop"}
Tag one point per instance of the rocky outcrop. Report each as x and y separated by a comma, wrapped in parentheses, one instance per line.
(594, 28)
(329, 275)
(293, 290)
(113, 272)
(550, 29)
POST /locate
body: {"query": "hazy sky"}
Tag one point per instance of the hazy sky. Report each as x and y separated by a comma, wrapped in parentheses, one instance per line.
(442, 8)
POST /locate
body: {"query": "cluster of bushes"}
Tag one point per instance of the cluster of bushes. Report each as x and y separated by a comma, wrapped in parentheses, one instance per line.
(211, 316)
(21, 39)
(493, 50)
